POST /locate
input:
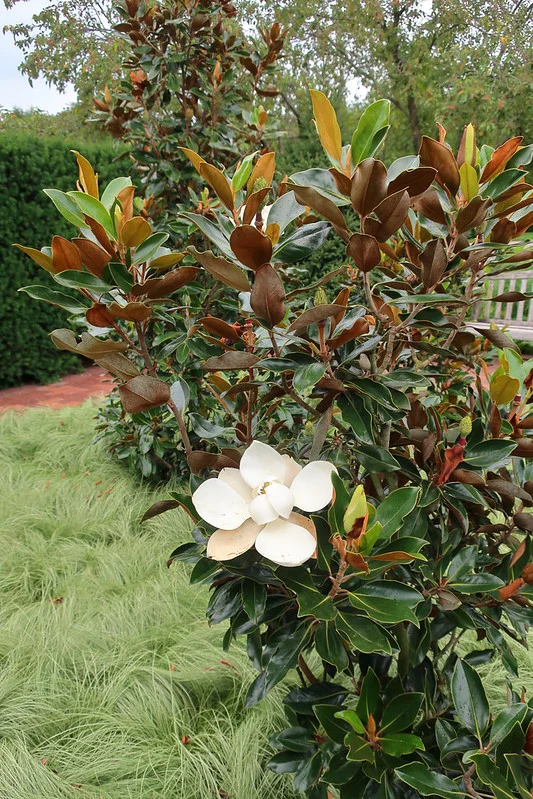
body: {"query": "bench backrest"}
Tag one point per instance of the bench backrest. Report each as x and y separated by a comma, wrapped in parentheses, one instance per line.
(517, 314)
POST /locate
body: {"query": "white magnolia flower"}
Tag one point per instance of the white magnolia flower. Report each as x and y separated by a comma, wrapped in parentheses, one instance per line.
(254, 505)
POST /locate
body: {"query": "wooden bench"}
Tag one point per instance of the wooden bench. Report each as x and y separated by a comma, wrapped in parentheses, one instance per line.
(515, 317)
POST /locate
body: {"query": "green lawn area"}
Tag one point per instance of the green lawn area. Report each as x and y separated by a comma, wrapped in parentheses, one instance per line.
(106, 659)
(98, 688)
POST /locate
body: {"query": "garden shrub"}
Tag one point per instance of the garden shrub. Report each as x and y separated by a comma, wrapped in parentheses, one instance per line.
(27, 164)
(361, 482)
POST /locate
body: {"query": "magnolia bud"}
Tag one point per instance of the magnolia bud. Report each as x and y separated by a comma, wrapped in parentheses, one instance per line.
(364, 362)
(465, 426)
(321, 298)
(260, 183)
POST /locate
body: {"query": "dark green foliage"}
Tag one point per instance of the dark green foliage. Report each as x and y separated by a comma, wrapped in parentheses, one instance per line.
(27, 164)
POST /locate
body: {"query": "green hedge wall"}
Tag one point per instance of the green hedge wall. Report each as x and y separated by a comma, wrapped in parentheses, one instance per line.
(28, 165)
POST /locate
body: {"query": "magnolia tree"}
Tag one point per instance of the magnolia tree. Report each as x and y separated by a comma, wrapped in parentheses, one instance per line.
(361, 482)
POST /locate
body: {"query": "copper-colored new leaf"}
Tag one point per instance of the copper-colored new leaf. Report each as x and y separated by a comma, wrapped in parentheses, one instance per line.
(268, 295)
(306, 195)
(327, 125)
(98, 315)
(342, 181)
(89, 346)
(264, 168)
(414, 181)
(125, 198)
(142, 393)
(392, 213)
(135, 231)
(472, 214)
(317, 314)
(199, 460)
(219, 327)
(364, 250)
(39, 257)
(438, 156)
(223, 270)
(233, 359)
(369, 186)
(117, 364)
(88, 177)
(251, 247)
(429, 206)
(100, 235)
(65, 255)
(499, 158)
(434, 262)
(163, 286)
(252, 205)
(92, 256)
(219, 183)
(503, 231)
(132, 311)
(359, 328)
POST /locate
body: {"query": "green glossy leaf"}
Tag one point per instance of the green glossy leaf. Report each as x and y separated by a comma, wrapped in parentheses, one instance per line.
(376, 459)
(297, 739)
(308, 375)
(356, 416)
(94, 209)
(387, 601)
(366, 138)
(470, 700)
(398, 744)
(475, 583)
(370, 703)
(284, 210)
(329, 645)
(74, 278)
(286, 762)
(392, 511)
(351, 718)
(360, 749)
(149, 248)
(301, 243)
(363, 635)
(489, 454)
(67, 207)
(505, 721)
(117, 273)
(332, 725)
(429, 783)
(212, 231)
(253, 599)
(401, 712)
(310, 601)
(489, 773)
(112, 190)
(46, 294)
(308, 773)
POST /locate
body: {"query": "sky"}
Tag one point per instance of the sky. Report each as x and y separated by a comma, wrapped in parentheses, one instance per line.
(15, 90)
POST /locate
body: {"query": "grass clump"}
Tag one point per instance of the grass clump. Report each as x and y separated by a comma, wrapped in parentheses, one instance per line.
(112, 685)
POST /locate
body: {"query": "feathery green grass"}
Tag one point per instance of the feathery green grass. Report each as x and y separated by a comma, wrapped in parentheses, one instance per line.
(106, 660)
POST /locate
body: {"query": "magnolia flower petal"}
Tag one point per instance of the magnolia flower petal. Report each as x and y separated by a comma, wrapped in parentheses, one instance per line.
(293, 469)
(285, 543)
(234, 479)
(220, 505)
(312, 487)
(261, 463)
(281, 499)
(261, 510)
(303, 521)
(228, 544)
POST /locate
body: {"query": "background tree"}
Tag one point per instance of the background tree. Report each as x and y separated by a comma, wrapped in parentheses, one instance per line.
(70, 42)
(447, 60)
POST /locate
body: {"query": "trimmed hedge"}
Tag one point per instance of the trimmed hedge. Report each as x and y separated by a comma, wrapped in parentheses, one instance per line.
(27, 216)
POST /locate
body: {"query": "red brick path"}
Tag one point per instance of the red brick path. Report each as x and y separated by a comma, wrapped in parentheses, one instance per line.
(70, 390)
